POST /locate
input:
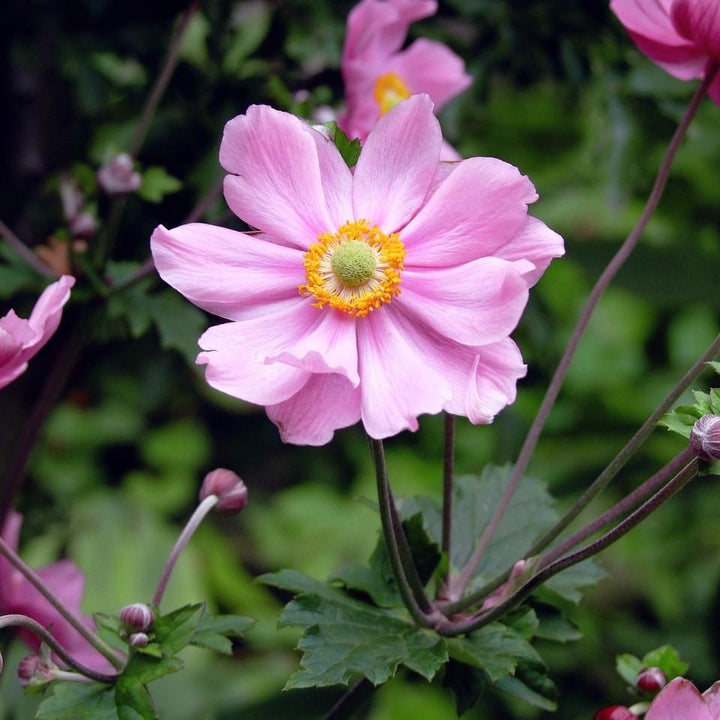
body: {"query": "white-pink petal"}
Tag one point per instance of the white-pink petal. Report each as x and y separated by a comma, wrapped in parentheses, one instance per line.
(326, 403)
(397, 164)
(225, 272)
(336, 180)
(479, 207)
(275, 185)
(679, 700)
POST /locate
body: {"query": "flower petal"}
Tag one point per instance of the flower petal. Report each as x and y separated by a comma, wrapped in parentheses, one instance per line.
(477, 303)
(46, 314)
(326, 403)
(397, 164)
(430, 67)
(474, 212)
(679, 700)
(336, 180)
(397, 381)
(699, 21)
(276, 184)
(329, 345)
(534, 242)
(225, 272)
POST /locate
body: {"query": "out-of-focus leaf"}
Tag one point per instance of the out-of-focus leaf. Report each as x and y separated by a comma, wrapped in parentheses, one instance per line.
(214, 631)
(157, 183)
(668, 660)
(124, 72)
(249, 25)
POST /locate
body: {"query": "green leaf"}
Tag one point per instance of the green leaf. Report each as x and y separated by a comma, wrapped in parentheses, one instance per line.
(495, 648)
(343, 637)
(569, 583)
(628, 666)
(71, 700)
(668, 660)
(377, 580)
(349, 149)
(156, 184)
(179, 323)
(532, 687)
(557, 628)
(714, 365)
(144, 668)
(177, 629)
(133, 702)
(214, 631)
(467, 684)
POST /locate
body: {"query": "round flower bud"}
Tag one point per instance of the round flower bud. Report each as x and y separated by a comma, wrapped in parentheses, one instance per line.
(117, 177)
(137, 616)
(705, 437)
(33, 669)
(139, 640)
(614, 712)
(228, 487)
(651, 680)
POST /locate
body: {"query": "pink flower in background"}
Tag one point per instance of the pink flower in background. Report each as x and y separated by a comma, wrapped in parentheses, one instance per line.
(681, 700)
(378, 74)
(17, 595)
(682, 36)
(373, 295)
(21, 339)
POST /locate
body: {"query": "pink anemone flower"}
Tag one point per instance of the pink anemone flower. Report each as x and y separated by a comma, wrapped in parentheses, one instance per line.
(681, 36)
(18, 596)
(378, 75)
(373, 295)
(21, 339)
(681, 700)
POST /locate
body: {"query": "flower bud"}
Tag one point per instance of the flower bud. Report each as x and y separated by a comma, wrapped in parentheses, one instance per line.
(137, 616)
(117, 176)
(705, 437)
(34, 670)
(228, 487)
(651, 680)
(614, 712)
(139, 640)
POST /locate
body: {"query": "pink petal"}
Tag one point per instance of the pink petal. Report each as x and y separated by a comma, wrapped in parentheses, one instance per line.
(475, 211)
(11, 535)
(329, 345)
(648, 18)
(679, 700)
(336, 180)
(327, 403)
(397, 381)
(712, 699)
(477, 303)
(397, 164)
(535, 242)
(10, 349)
(46, 314)
(225, 272)
(430, 67)
(699, 22)
(276, 184)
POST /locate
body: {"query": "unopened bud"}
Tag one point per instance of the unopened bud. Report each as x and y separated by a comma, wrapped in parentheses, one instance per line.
(705, 437)
(614, 712)
(34, 670)
(137, 616)
(117, 177)
(139, 640)
(83, 225)
(651, 680)
(228, 487)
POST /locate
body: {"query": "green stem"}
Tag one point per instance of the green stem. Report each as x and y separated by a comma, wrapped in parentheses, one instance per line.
(597, 292)
(448, 477)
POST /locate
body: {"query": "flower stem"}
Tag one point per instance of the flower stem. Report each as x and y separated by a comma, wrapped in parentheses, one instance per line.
(25, 252)
(448, 477)
(671, 487)
(391, 526)
(37, 629)
(34, 579)
(352, 701)
(602, 480)
(192, 525)
(597, 292)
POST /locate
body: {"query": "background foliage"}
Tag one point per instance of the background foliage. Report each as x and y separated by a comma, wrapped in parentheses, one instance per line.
(561, 92)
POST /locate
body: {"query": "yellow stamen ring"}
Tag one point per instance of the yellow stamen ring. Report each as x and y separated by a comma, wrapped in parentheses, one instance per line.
(389, 91)
(355, 270)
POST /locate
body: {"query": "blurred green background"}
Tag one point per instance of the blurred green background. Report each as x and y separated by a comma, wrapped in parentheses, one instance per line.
(559, 91)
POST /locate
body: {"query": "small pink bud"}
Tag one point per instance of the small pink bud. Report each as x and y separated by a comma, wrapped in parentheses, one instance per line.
(33, 669)
(117, 177)
(137, 616)
(228, 486)
(614, 712)
(83, 225)
(139, 640)
(705, 437)
(651, 680)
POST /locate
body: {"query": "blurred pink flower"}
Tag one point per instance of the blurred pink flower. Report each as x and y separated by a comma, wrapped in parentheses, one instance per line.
(117, 177)
(17, 595)
(373, 295)
(681, 700)
(682, 36)
(378, 74)
(21, 339)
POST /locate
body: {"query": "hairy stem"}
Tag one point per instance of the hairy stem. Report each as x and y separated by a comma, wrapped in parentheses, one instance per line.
(671, 487)
(25, 252)
(34, 579)
(597, 292)
(34, 627)
(192, 525)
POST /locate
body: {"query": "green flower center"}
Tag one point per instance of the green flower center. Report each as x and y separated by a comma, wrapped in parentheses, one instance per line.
(353, 263)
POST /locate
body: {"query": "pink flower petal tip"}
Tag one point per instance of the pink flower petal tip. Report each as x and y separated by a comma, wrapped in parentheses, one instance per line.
(376, 295)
